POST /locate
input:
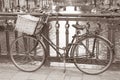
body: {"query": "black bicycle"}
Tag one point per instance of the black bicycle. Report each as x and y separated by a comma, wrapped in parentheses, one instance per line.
(90, 52)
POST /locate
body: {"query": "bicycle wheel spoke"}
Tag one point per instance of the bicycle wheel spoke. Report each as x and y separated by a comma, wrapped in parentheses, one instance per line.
(27, 57)
(92, 55)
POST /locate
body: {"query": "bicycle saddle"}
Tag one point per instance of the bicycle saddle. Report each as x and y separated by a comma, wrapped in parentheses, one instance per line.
(77, 26)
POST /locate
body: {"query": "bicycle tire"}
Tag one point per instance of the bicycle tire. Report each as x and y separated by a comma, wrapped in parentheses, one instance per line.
(27, 53)
(100, 61)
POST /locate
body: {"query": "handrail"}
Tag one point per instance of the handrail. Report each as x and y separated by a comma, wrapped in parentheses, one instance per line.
(66, 14)
(69, 17)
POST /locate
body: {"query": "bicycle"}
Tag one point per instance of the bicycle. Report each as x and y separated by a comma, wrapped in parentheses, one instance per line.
(90, 52)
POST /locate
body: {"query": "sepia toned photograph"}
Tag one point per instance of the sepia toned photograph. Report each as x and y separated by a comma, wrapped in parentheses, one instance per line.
(59, 39)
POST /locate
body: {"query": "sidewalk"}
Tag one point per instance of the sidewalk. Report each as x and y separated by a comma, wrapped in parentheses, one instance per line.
(9, 72)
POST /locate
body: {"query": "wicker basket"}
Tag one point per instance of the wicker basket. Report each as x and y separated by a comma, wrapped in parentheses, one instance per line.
(26, 24)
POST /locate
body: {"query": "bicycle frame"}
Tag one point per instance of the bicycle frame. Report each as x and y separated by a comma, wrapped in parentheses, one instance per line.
(67, 48)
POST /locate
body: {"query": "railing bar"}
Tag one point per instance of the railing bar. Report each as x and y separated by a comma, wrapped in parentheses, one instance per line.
(81, 19)
(67, 32)
(65, 15)
(7, 42)
(57, 35)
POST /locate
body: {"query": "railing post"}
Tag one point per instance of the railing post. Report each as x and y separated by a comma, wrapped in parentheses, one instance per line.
(87, 42)
(67, 32)
(0, 50)
(16, 35)
(7, 42)
(57, 35)
(111, 33)
(46, 33)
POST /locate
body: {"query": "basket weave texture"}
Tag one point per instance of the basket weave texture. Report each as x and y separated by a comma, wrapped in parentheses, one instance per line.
(26, 24)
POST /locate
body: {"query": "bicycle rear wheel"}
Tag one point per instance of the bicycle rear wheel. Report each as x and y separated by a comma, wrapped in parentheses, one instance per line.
(93, 55)
(27, 53)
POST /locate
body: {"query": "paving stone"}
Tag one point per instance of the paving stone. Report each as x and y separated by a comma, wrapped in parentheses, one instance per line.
(57, 75)
(10, 72)
(21, 76)
(91, 77)
(110, 75)
(76, 78)
(67, 78)
(45, 70)
(6, 75)
(37, 77)
(4, 79)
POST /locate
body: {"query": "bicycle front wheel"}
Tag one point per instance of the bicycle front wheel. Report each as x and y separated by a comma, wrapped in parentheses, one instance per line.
(27, 53)
(93, 55)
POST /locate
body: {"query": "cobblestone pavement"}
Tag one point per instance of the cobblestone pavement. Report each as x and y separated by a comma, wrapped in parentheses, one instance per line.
(10, 72)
